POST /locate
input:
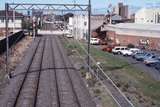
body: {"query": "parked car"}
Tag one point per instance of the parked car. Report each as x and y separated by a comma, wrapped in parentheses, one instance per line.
(151, 61)
(135, 54)
(107, 48)
(134, 50)
(118, 49)
(122, 50)
(141, 57)
(69, 35)
(151, 56)
(157, 65)
(126, 52)
(94, 41)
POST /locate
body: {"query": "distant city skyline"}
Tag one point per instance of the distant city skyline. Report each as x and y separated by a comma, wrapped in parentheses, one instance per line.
(97, 6)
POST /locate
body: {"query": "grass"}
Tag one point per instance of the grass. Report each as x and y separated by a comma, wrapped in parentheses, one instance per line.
(124, 73)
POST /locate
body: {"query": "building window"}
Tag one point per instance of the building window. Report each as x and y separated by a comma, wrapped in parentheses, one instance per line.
(152, 21)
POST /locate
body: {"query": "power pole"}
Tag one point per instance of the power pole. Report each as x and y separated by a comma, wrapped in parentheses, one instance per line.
(7, 40)
(89, 33)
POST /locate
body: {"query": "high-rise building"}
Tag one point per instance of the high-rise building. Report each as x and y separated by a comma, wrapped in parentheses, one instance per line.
(122, 10)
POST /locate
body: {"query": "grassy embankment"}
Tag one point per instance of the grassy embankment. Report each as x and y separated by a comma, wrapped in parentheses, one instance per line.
(138, 85)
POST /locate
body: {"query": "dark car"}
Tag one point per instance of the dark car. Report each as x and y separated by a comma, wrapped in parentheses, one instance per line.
(143, 56)
(157, 66)
(137, 54)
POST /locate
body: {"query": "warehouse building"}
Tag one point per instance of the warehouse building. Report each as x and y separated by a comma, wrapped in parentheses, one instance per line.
(140, 35)
(148, 16)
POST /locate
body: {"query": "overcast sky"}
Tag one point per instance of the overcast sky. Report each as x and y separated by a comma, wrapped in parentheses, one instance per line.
(98, 4)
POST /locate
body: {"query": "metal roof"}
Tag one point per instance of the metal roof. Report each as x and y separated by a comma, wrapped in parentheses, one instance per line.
(135, 26)
(145, 30)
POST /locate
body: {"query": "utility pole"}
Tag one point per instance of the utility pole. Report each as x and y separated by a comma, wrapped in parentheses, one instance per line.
(13, 20)
(7, 39)
(89, 33)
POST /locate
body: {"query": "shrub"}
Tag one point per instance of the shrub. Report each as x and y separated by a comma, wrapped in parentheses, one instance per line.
(130, 45)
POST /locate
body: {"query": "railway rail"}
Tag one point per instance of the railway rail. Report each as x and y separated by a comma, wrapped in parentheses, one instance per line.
(46, 78)
(118, 96)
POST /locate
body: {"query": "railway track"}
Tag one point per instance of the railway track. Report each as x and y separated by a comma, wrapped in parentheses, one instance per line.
(46, 78)
(114, 91)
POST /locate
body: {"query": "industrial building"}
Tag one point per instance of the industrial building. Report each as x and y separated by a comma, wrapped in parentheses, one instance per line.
(140, 35)
(148, 16)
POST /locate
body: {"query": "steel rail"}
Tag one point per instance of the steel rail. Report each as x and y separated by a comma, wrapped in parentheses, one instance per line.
(23, 81)
(74, 92)
(55, 74)
(39, 74)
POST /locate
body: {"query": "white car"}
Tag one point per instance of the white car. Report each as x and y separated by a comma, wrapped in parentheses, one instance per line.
(118, 49)
(69, 35)
(126, 52)
(134, 50)
(94, 41)
(122, 50)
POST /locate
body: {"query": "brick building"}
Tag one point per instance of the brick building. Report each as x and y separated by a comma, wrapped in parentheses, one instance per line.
(140, 35)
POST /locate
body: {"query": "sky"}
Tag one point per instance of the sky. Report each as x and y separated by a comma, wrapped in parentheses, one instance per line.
(96, 4)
